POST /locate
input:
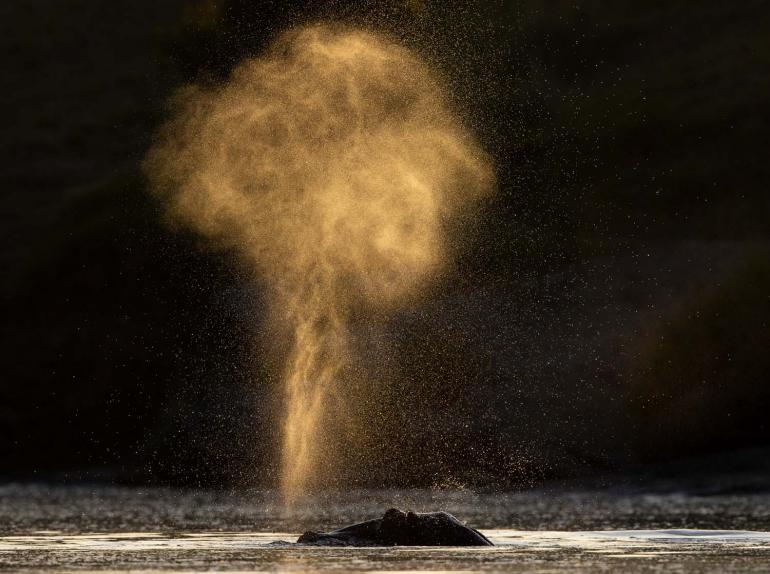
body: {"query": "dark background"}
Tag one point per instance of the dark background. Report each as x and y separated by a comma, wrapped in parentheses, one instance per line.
(610, 315)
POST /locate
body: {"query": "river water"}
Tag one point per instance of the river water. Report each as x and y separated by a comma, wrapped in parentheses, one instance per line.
(108, 529)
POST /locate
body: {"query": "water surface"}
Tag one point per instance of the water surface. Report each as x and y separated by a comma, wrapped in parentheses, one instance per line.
(117, 529)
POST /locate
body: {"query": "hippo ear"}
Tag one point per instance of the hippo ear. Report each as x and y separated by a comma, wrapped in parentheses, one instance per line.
(393, 513)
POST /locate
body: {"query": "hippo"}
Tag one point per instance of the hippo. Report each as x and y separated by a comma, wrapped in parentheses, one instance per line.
(399, 528)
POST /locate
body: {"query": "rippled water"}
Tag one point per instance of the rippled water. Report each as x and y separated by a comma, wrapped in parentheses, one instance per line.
(113, 529)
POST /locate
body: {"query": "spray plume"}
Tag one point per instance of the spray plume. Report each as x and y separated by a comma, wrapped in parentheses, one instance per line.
(334, 166)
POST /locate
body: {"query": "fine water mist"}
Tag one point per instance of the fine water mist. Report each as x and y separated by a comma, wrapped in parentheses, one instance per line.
(336, 168)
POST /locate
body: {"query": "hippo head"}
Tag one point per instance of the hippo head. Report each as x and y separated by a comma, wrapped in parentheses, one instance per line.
(398, 528)
(430, 528)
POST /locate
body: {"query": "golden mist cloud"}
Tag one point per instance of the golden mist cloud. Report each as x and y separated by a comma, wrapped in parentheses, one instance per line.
(333, 165)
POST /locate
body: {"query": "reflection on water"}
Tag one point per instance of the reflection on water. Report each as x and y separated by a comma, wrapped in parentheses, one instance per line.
(537, 551)
(113, 529)
(666, 541)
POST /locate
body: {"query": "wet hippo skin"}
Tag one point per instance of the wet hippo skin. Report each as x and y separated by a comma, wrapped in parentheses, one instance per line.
(398, 528)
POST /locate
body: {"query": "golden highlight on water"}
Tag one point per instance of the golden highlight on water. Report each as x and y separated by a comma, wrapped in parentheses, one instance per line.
(334, 166)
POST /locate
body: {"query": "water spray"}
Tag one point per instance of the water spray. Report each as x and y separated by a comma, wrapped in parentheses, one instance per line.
(334, 166)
